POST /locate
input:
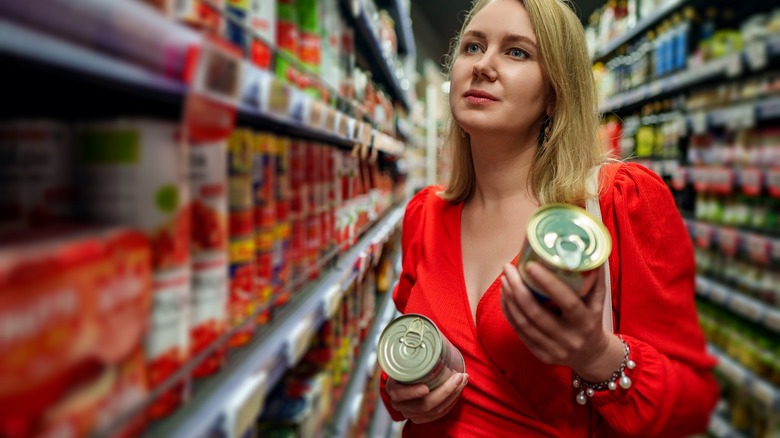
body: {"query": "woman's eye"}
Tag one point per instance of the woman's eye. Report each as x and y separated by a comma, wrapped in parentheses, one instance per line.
(517, 53)
(471, 48)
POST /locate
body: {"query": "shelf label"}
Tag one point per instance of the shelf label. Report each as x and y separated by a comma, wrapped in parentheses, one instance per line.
(279, 97)
(746, 307)
(299, 340)
(728, 240)
(772, 320)
(756, 54)
(217, 74)
(773, 182)
(699, 122)
(702, 234)
(751, 180)
(332, 300)
(765, 393)
(719, 294)
(300, 105)
(735, 373)
(758, 248)
(703, 286)
(317, 114)
(733, 64)
(741, 116)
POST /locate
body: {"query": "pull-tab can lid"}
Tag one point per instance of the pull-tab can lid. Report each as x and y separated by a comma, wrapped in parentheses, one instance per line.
(568, 238)
(409, 348)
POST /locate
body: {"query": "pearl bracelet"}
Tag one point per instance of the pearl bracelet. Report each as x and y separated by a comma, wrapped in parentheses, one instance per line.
(619, 377)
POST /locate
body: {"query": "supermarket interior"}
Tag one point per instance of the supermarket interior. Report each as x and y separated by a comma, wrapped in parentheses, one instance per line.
(248, 296)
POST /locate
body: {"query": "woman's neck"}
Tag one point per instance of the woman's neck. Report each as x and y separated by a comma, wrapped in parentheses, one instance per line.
(502, 171)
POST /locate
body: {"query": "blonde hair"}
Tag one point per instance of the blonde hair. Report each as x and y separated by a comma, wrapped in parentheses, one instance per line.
(563, 162)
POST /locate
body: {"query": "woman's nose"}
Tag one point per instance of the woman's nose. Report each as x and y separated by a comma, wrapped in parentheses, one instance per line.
(484, 68)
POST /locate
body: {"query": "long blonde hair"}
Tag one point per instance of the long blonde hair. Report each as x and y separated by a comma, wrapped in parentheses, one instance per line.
(563, 162)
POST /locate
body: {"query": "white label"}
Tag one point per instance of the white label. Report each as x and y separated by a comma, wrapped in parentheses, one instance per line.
(218, 74)
(746, 307)
(169, 327)
(765, 393)
(332, 300)
(756, 53)
(733, 64)
(299, 339)
(719, 293)
(209, 290)
(772, 320)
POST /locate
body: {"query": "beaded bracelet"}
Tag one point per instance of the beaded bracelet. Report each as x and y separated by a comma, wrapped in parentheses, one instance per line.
(619, 377)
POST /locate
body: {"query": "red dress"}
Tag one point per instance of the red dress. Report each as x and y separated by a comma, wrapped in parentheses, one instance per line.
(510, 392)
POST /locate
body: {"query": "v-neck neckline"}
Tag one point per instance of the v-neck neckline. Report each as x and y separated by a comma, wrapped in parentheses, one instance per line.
(473, 316)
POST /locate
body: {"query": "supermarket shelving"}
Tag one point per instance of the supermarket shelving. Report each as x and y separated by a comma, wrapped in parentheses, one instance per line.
(729, 66)
(738, 303)
(759, 388)
(721, 428)
(403, 26)
(276, 347)
(382, 67)
(641, 26)
(22, 44)
(352, 398)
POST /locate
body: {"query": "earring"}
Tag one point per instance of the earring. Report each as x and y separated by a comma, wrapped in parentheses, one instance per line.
(546, 129)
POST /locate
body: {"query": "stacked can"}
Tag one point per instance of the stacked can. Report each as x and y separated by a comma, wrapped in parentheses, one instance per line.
(36, 187)
(243, 299)
(288, 40)
(329, 193)
(208, 184)
(281, 271)
(134, 172)
(313, 239)
(413, 350)
(298, 208)
(263, 188)
(310, 43)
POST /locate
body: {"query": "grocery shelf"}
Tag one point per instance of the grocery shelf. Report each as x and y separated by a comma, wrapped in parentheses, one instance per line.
(731, 65)
(738, 303)
(719, 427)
(351, 400)
(739, 115)
(383, 69)
(763, 391)
(32, 46)
(640, 27)
(381, 423)
(275, 348)
(403, 26)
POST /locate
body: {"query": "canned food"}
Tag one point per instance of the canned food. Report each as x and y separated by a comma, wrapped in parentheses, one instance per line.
(568, 241)
(412, 350)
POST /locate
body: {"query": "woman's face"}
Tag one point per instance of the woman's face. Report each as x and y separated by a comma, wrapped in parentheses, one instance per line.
(497, 83)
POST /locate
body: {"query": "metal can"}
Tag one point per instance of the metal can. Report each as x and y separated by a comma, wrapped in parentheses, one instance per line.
(412, 350)
(568, 241)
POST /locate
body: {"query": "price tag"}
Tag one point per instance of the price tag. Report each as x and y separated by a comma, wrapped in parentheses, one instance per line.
(264, 82)
(758, 248)
(317, 114)
(300, 105)
(772, 319)
(773, 182)
(722, 180)
(679, 178)
(719, 294)
(742, 116)
(703, 234)
(746, 307)
(703, 286)
(249, 84)
(756, 54)
(699, 122)
(728, 240)
(733, 65)
(342, 129)
(332, 300)
(775, 249)
(765, 393)
(735, 373)
(751, 180)
(769, 108)
(218, 72)
(280, 97)
(242, 409)
(299, 340)
(351, 132)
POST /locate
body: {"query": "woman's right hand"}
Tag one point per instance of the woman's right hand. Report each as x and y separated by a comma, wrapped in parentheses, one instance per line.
(421, 405)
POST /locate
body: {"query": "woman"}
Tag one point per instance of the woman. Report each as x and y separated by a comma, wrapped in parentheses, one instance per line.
(524, 131)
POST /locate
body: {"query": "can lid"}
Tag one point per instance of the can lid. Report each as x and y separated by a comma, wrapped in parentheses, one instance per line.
(409, 348)
(569, 238)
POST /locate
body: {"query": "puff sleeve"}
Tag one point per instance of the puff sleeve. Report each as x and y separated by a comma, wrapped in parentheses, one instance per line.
(653, 284)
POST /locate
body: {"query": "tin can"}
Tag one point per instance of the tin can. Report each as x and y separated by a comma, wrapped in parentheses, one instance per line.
(568, 241)
(412, 350)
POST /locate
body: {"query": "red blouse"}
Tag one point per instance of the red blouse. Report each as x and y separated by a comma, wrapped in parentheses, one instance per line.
(510, 392)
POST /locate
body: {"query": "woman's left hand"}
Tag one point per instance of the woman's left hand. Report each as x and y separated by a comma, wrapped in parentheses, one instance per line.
(576, 338)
